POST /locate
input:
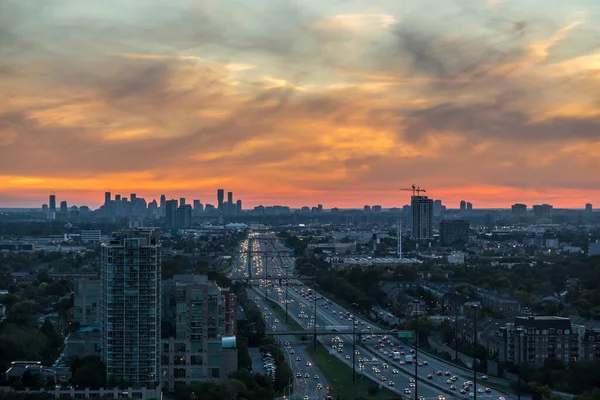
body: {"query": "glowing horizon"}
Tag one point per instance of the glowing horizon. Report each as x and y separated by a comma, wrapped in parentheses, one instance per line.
(299, 103)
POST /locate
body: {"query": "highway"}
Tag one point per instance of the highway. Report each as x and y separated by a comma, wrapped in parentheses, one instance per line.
(378, 366)
(309, 383)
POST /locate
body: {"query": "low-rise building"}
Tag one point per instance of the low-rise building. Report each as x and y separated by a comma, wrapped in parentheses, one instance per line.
(533, 339)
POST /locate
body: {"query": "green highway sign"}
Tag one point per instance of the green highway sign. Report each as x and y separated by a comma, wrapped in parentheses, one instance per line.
(405, 334)
(289, 271)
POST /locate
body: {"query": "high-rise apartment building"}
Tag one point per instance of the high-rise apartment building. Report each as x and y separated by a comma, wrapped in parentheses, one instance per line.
(454, 232)
(196, 311)
(463, 205)
(542, 211)
(181, 201)
(107, 198)
(589, 208)
(130, 311)
(184, 216)
(469, 206)
(64, 208)
(230, 208)
(52, 203)
(238, 206)
(171, 213)
(519, 210)
(86, 310)
(220, 198)
(422, 217)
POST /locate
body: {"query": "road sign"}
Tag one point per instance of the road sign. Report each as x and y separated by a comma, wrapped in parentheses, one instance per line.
(405, 334)
(289, 271)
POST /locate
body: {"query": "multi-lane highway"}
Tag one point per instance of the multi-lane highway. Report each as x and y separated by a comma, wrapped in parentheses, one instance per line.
(374, 359)
(308, 382)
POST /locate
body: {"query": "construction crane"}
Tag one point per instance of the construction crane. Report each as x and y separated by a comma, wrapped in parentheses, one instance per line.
(415, 189)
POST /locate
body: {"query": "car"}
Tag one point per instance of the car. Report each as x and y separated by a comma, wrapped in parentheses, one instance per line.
(307, 375)
(488, 390)
(479, 390)
(412, 350)
(385, 366)
(297, 358)
(463, 391)
(390, 383)
(406, 391)
(383, 378)
(347, 357)
(448, 373)
(402, 363)
(292, 352)
(395, 371)
(306, 398)
(357, 352)
(439, 373)
(412, 380)
(484, 377)
(449, 381)
(452, 387)
(316, 377)
(308, 364)
(429, 376)
(425, 363)
(298, 375)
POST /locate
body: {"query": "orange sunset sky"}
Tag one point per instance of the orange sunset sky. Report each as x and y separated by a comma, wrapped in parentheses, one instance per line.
(301, 102)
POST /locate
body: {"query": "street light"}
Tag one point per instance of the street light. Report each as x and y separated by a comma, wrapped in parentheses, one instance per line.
(353, 341)
(416, 360)
(315, 322)
(475, 307)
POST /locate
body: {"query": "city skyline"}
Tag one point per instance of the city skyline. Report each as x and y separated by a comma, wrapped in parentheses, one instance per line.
(196, 203)
(490, 101)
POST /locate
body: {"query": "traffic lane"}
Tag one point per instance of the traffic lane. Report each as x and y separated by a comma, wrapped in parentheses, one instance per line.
(433, 363)
(300, 363)
(427, 389)
(370, 374)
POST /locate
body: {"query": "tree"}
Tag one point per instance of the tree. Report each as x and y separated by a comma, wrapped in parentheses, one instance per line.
(88, 372)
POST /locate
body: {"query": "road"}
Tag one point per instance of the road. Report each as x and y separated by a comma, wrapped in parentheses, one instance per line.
(309, 383)
(301, 307)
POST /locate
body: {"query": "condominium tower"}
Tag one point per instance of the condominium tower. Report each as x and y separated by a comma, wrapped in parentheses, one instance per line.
(130, 306)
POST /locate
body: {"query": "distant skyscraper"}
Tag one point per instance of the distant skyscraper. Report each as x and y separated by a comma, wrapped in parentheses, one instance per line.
(519, 210)
(377, 208)
(589, 208)
(230, 206)
(220, 199)
(52, 203)
(44, 208)
(171, 213)
(130, 311)
(184, 216)
(320, 207)
(542, 211)
(463, 205)
(63, 207)
(181, 201)
(238, 205)
(118, 197)
(367, 208)
(107, 198)
(422, 217)
(469, 206)
(196, 205)
(133, 198)
(163, 201)
(454, 232)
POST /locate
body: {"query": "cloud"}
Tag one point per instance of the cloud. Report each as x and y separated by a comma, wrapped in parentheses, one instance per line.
(292, 101)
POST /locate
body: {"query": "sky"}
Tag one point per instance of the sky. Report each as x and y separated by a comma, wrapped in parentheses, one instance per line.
(301, 102)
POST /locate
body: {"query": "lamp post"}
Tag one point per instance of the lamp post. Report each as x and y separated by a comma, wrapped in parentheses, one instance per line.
(475, 307)
(455, 331)
(353, 341)
(416, 360)
(519, 365)
(287, 282)
(315, 321)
